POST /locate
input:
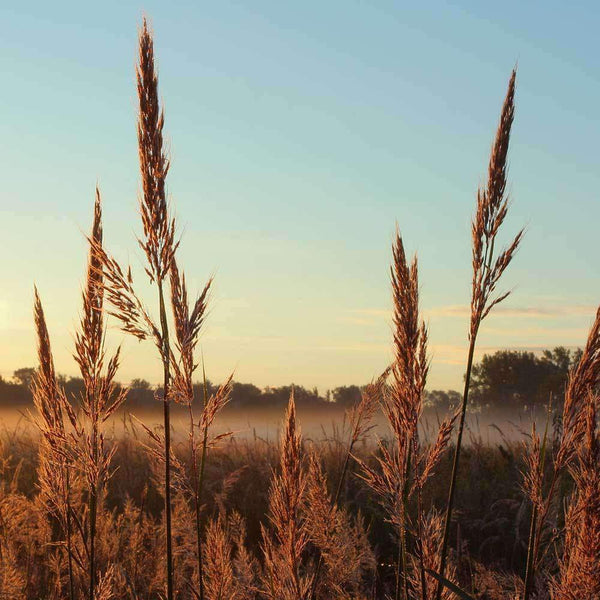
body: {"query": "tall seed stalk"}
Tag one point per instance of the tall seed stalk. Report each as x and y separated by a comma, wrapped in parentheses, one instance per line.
(533, 484)
(492, 206)
(187, 329)
(159, 246)
(55, 459)
(284, 544)
(159, 239)
(579, 565)
(360, 417)
(405, 468)
(583, 380)
(100, 398)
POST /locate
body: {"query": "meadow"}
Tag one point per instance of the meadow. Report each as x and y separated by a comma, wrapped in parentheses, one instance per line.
(187, 509)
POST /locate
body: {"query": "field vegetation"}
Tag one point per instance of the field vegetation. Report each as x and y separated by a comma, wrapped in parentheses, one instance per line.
(201, 514)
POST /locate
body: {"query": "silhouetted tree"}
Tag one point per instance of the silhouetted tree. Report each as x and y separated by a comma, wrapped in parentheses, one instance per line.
(24, 376)
(140, 394)
(441, 401)
(346, 395)
(521, 380)
(244, 395)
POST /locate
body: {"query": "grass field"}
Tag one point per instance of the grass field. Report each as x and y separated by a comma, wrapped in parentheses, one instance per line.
(97, 506)
(494, 512)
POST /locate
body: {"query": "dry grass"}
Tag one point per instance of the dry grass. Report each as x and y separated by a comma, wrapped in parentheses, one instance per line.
(85, 516)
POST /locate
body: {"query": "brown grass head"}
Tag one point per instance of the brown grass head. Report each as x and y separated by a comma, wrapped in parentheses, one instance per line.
(291, 464)
(428, 548)
(343, 543)
(403, 405)
(48, 396)
(127, 308)
(532, 472)
(283, 546)
(216, 402)
(45, 379)
(159, 228)
(492, 207)
(584, 377)
(188, 324)
(431, 458)
(361, 415)
(579, 565)
(89, 340)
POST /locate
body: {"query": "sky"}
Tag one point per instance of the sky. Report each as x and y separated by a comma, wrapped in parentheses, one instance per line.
(300, 134)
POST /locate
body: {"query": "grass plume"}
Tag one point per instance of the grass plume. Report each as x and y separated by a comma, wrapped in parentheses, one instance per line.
(488, 267)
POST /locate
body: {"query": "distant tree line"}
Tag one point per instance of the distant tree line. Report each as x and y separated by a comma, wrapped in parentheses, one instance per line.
(142, 394)
(508, 379)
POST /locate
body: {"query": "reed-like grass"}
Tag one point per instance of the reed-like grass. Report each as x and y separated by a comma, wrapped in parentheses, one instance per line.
(84, 517)
(488, 267)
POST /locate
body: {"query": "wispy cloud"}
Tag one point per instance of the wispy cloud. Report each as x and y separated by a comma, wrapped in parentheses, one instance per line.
(541, 332)
(450, 354)
(369, 316)
(363, 347)
(540, 312)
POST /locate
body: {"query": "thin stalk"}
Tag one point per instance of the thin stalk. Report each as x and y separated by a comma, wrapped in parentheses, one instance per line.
(93, 504)
(167, 424)
(404, 521)
(530, 554)
(420, 526)
(340, 484)
(421, 563)
(93, 512)
(336, 498)
(196, 498)
(532, 544)
(199, 489)
(401, 567)
(200, 485)
(450, 502)
(69, 542)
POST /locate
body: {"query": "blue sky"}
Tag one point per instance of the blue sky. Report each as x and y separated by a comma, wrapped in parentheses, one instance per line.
(300, 133)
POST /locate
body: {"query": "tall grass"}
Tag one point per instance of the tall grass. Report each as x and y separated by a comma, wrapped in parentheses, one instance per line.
(295, 520)
(101, 397)
(404, 470)
(55, 476)
(160, 245)
(488, 267)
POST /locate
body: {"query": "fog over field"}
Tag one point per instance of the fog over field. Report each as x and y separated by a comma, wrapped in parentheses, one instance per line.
(324, 425)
